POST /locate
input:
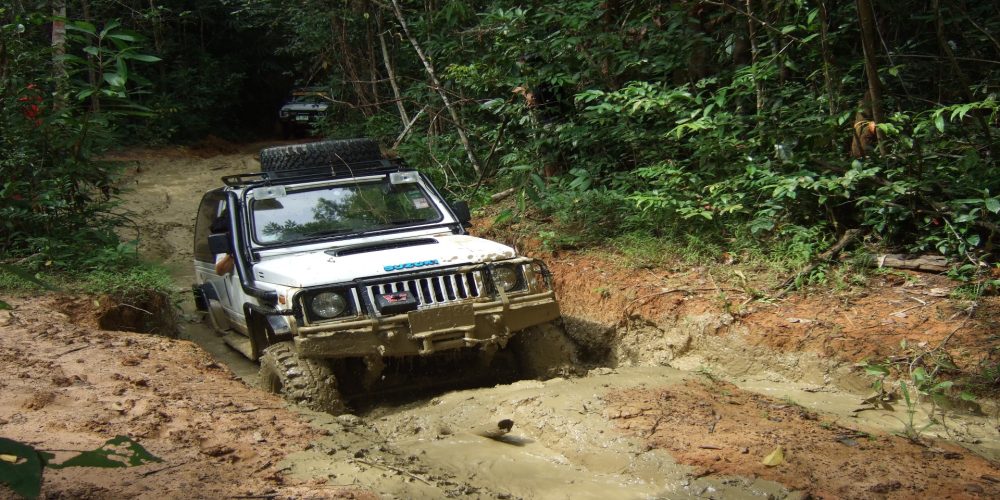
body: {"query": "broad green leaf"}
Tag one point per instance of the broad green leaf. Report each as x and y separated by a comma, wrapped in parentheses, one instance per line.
(5, 306)
(120, 451)
(939, 122)
(114, 79)
(942, 386)
(993, 205)
(876, 370)
(23, 474)
(122, 37)
(143, 58)
(110, 26)
(504, 216)
(83, 26)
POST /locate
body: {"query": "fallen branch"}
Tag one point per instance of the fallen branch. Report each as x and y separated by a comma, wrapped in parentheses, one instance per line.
(161, 469)
(501, 195)
(849, 236)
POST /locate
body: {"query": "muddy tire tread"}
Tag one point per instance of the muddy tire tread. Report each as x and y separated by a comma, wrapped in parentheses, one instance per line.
(304, 381)
(318, 154)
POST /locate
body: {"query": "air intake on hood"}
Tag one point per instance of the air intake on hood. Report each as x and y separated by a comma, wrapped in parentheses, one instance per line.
(382, 245)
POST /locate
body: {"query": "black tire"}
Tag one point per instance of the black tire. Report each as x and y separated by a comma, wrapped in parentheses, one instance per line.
(545, 351)
(321, 154)
(302, 381)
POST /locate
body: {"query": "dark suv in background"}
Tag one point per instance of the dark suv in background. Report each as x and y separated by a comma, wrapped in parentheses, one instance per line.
(305, 109)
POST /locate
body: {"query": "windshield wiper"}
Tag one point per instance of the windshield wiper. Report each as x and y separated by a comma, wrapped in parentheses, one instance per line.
(325, 232)
(400, 222)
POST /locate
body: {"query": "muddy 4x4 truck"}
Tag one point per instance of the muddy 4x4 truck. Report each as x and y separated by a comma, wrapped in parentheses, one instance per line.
(352, 275)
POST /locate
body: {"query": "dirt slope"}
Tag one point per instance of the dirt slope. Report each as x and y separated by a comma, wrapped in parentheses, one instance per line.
(65, 385)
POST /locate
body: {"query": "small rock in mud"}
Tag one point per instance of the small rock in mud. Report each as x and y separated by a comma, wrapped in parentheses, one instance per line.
(603, 370)
(886, 487)
(39, 400)
(349, 420)
(974, 488)
(217, 451)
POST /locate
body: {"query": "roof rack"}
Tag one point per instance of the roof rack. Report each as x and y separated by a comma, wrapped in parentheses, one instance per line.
(316, 173)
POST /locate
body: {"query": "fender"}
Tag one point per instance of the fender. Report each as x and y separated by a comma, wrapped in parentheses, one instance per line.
(265, 327)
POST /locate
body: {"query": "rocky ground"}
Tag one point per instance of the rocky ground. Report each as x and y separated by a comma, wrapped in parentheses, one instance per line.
(693, 390)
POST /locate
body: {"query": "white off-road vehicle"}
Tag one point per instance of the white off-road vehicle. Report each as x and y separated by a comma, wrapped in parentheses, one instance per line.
(351, 273)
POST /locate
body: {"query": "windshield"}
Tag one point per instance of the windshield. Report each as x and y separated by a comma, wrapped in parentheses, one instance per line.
(339, 210)
(308, 99)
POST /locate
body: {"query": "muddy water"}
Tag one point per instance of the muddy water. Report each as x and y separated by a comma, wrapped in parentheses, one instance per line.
(561, 446)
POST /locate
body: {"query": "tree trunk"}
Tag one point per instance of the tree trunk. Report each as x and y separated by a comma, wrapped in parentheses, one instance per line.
(824, 26)
(755, 56)
(438, 87)
(58, 51)
(866, 18)
(403, 117)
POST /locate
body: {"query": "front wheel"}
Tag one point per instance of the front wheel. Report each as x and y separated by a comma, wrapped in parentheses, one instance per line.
(299, 380)
(545, 351)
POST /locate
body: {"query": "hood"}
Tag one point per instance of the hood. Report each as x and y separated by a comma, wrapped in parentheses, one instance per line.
(320, 268)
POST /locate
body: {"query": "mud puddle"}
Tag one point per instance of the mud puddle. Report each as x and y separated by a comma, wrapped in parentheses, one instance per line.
(561, 446)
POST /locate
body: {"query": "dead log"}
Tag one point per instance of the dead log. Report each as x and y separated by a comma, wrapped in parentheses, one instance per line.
(501, 195)
(925, 263)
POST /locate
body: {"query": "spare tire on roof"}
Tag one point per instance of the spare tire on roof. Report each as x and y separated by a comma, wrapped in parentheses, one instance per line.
(322, 154)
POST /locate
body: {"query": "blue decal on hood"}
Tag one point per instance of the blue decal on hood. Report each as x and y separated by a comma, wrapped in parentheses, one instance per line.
(411, 265)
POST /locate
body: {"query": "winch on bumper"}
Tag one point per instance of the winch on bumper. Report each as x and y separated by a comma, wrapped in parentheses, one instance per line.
(451, 308)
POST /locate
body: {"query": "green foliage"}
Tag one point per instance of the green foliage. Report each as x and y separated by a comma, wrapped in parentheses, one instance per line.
(129, 285)
(55, 194)
(21, 465)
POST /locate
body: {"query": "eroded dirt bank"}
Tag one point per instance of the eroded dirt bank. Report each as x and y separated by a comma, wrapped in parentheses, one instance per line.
(687, 395)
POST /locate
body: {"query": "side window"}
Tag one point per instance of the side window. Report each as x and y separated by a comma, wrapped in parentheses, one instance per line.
(213, 205)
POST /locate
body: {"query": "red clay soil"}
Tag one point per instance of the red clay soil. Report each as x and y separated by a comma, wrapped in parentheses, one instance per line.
(861, 323)
(723, 430)
(67, 386)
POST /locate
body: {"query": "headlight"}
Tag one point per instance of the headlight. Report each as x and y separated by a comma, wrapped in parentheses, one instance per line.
(505, 278)
(328, 305)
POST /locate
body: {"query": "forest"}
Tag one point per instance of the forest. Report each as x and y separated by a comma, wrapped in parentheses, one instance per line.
(778, 125)
(728, 197)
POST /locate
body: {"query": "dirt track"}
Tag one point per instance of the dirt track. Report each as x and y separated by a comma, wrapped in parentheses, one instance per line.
(688, 403)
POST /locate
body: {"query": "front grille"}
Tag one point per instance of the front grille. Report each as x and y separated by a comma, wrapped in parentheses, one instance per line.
(432, 291)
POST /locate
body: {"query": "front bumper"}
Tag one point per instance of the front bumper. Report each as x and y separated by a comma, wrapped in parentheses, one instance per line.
(430, 330)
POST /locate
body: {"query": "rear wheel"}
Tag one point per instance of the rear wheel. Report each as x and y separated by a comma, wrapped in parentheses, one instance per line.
(323, 154)
(545, 351)
(299, 380)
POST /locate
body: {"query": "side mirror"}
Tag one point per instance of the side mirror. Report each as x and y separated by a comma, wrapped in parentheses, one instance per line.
(461, 209)
(219, 243)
